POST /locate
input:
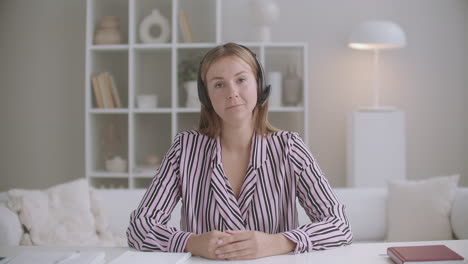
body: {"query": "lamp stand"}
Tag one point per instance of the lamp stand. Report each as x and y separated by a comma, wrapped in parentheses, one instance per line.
(376, 88)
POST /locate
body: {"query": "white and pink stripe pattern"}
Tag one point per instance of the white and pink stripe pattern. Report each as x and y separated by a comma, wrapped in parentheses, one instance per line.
(281, 169)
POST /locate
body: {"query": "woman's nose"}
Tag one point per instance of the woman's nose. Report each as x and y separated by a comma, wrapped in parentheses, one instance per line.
(233, 92)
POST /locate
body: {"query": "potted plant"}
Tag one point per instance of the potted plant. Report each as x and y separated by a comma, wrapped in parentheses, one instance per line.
(188, 74)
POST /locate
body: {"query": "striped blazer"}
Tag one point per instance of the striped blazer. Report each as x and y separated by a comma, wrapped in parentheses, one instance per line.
(280, 169)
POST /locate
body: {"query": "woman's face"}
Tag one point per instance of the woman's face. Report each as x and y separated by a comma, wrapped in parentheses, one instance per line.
(232, 88)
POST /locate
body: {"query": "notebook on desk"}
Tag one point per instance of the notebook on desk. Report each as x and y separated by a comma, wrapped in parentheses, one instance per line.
(131, 257)
(59, 257)
(437, 254)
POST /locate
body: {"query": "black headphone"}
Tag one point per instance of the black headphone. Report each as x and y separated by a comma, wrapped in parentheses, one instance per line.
(263, 90)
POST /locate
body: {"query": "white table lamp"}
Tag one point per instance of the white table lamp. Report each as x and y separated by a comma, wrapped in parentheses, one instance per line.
(377, 35)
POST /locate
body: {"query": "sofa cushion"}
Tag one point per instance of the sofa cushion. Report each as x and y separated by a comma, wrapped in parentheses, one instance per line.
(459, 215)
(420, 210)
(10, 227)
(61, 215)
(117, 206)
(365, 208)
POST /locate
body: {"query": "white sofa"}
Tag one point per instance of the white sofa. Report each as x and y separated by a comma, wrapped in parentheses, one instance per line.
(365, 207)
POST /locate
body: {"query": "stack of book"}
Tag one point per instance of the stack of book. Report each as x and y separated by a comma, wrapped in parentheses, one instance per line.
(105, 91)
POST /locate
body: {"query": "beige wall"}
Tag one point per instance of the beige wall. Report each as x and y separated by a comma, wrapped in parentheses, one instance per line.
(43, 55)
(42, 72)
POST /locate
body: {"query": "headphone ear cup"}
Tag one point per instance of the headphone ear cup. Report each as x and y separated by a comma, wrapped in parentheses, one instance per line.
(264, 90)
(264, 94)
(202, 91)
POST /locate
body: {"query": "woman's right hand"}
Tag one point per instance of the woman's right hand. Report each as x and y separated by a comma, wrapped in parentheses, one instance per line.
(205, 245)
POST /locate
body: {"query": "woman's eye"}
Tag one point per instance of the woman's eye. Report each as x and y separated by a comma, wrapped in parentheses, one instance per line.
(241, 80)
(218, 85)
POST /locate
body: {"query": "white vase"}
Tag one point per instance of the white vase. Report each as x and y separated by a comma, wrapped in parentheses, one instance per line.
(275, 80)
(155, 18)
(191, 88)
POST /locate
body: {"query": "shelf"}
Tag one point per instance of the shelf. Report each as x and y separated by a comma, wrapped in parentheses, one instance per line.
(201, 16)
(151, 46)
(152, 71)
(108, 137)
(110, 183)
(291, 121)
(195, 45)
(109, 47)
(152, 110)
(187, 110)
(143, 8)
(109, 111)
(105, 174)
(143, 175)
(142, 182)
(142, 136)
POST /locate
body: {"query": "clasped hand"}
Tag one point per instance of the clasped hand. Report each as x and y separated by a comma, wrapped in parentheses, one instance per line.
(237, 245)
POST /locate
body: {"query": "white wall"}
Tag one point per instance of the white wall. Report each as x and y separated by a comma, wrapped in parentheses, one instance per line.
(43, 43)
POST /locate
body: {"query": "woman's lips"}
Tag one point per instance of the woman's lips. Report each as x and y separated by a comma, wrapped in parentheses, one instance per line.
(233, 106)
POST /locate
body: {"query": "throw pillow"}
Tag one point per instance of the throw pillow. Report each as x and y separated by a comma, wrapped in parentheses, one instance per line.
(60, 215)
(420, 210)
(459, 215)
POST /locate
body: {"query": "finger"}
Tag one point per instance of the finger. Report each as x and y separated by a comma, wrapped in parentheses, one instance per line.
(245, 257)
(240, 235)
(239, 254)
(221, 238)
(233, 247)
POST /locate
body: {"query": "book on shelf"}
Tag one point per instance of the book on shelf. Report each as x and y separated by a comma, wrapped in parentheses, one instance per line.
(97, 92)
(151, 257)
(433, 254)
(185, 28)
(114, 91)
(105, 91)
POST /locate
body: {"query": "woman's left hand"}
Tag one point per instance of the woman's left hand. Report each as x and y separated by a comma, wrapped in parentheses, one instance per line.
(247, 244)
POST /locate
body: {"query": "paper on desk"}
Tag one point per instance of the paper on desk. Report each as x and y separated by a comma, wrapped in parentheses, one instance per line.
(151, 258)
(57, 257)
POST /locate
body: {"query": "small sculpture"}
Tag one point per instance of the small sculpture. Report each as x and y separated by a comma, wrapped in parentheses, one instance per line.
(154, 19)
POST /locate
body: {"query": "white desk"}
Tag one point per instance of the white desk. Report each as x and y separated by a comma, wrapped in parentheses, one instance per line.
(372, 253)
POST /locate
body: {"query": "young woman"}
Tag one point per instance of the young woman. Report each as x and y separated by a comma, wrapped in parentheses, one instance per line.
(237, 177)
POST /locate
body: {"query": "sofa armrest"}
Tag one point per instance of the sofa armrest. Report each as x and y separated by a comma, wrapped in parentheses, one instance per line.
(10, 227)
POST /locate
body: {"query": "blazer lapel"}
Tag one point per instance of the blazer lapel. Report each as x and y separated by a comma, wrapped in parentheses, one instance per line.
(258, 160)
(228, 207)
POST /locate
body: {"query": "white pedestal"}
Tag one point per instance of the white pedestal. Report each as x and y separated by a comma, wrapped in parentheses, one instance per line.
(376, 147)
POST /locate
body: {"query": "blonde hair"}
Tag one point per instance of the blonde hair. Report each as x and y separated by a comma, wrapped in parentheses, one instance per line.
(210, 123)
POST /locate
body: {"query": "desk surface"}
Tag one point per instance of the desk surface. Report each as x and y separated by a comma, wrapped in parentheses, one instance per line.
(374, 253)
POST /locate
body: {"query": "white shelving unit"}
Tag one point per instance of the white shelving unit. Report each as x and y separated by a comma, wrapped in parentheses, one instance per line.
(153, 68)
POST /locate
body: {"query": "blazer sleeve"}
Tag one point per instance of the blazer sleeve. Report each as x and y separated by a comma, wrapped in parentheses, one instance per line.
(329, 225)
(147, 230)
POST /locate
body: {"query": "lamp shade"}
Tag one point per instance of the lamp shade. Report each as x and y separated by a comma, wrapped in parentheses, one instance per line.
(377, 35)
